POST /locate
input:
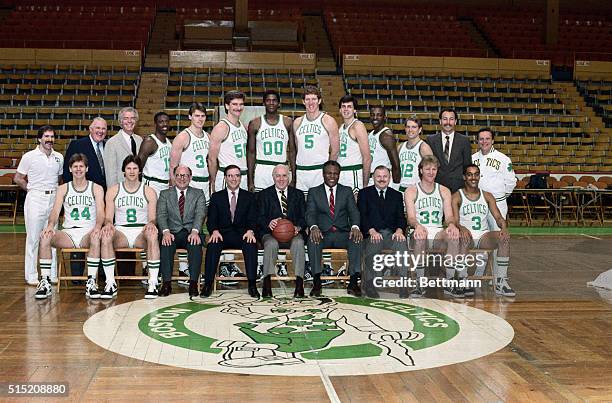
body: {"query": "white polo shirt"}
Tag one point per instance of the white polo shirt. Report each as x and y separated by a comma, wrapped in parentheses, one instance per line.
(42, 171)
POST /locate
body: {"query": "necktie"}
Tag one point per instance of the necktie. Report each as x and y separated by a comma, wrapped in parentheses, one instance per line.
(99, 155)
(133, 145)
(447, 148)
(332, 203)
(233, 205)
(182, 203)
(382, 195)
(283, 203)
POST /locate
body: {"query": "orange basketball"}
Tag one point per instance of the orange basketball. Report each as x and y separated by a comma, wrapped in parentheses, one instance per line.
(284, 230)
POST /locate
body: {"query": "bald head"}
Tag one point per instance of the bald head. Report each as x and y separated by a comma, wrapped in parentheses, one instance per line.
(281, 176)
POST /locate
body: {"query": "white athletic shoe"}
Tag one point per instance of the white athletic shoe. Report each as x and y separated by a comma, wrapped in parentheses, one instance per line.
(91, 289)
(110, 291)
(43, 290)
(503, 288)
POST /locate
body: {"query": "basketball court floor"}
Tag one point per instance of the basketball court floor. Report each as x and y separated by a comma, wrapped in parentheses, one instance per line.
(552, 342)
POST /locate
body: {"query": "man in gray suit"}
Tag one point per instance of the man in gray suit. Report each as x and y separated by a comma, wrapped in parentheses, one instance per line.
(122, 144)
(333, 219)
(452, 150)
(180, 213)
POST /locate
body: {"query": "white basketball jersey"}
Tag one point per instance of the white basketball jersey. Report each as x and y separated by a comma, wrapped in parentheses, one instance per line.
(429, 207)
(79, 207)
(271, 141)
(349, 148)
(131, 209)
(312, 142)
(196, 153)
(409, 159)
(233, 148)
(377, 151)
(158, 163)
(473, 214)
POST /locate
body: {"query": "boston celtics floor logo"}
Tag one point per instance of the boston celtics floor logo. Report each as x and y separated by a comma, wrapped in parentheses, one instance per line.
(346, 336)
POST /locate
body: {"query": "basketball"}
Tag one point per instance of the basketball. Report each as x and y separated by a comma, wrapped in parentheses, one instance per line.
(284, 230)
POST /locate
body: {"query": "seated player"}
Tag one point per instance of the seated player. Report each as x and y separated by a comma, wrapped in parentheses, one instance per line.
(130, 223)
(428, 206)
(83, 203)
(472, 205)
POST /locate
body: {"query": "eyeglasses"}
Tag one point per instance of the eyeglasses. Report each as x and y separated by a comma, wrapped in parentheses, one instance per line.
(183, 176)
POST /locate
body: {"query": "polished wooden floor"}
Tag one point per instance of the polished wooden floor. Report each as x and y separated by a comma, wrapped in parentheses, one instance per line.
(562, 349)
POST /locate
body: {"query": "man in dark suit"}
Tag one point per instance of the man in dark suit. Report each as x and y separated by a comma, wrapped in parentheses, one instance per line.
(92, 147)
(452, 150)
(232, 221)
(383, 223)
(273, 203)
(180, 214)
(333, 219)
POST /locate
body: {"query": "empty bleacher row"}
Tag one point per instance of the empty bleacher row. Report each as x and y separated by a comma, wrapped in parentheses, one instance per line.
(598, 95)
(77, 26)
(404, 31)
(520, 34)
(208, 85)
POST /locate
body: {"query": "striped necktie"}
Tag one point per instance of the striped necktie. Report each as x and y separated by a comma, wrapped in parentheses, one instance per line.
(283, 200)
(182, 203)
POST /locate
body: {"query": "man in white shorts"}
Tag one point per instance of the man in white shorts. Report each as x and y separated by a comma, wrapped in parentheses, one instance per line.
(472, 206)
(228, 143)
(38, 173)
(428, 206)
(354, 156)
(269, 143)
(130, 223)
(83, 203)
(316, 141)
(190, 148)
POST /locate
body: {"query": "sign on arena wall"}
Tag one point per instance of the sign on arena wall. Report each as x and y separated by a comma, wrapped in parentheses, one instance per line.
(341, 335)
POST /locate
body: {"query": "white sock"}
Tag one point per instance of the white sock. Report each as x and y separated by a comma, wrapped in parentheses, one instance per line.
(183, 263)
(109, 270)
(45, 268)
(92, 266)
(501, 270)
(481, 264)
(450, 273)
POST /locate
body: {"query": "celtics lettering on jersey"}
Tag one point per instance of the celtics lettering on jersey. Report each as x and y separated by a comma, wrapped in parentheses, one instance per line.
(131, 208)
(312, 142)
(79, 207)
(233, 148)
(409, 159)
(429, 207)
(473, 213)
(272, 141)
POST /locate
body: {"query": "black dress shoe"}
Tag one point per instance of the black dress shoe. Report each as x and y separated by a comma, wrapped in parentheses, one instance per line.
(166, 289)
(253, 292)
(193, 288)
(316, 286)
(266, 291)
(371, 293)
(299, 288)
(353, 288)
(206, 291)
